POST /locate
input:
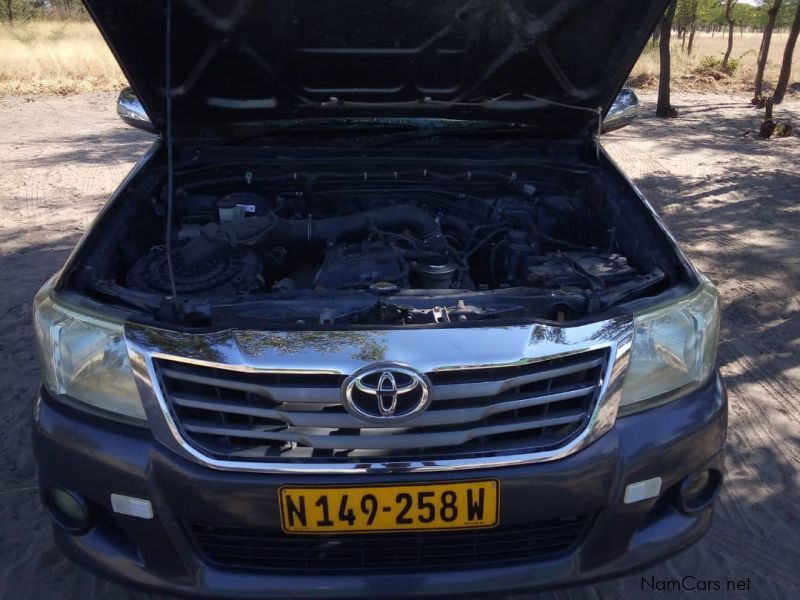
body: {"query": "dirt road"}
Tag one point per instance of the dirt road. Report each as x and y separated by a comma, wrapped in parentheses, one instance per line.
(731, 200)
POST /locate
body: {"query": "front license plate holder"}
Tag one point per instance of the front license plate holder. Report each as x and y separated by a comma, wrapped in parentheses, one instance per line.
(386, 508)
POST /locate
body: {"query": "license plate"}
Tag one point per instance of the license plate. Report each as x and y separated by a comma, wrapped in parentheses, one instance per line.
(381, 508)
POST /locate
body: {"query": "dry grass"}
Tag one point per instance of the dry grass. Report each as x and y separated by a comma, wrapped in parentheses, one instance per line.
(688, 74)
(56, 58)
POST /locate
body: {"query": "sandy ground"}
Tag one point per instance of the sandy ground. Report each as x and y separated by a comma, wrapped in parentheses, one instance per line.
(731, 200)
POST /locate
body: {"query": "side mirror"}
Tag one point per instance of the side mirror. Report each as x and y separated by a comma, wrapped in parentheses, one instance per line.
(623, 111)
(131, 111)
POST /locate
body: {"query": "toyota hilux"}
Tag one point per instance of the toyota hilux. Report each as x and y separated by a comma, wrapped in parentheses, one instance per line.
(376, 314)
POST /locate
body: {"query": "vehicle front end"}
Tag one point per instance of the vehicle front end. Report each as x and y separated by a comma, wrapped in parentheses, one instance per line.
(399, 353)
(592, 499)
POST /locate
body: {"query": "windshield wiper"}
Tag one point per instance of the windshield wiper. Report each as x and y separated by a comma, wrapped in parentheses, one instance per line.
(457, 131)
(327, 127)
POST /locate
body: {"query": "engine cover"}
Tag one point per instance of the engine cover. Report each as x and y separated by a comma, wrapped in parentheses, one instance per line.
(360, 265)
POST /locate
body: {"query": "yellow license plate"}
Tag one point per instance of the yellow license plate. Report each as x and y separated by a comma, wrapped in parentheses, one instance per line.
(410, 507)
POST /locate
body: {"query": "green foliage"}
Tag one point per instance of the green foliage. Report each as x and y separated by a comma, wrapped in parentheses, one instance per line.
(712, 65)
(711, 13)
(26, 10)
(701, 12)
(747, 15)
(786, 13)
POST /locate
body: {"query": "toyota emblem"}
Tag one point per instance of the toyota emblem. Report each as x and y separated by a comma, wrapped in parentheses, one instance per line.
(386, 393)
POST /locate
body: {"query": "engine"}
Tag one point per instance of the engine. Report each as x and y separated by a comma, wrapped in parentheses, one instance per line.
(247, 243)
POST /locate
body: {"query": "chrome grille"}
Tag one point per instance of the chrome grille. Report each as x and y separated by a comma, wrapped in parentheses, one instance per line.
(476, 412)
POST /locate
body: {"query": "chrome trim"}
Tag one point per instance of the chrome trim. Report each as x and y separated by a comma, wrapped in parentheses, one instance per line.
(624, 111)
(418, 380)
(299, 395)
(130, 110)
(370, 442)
(451, 391)
(455, 416)
(345, 352)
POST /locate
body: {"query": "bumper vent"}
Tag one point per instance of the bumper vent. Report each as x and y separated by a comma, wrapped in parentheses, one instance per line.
(475, 412)
(243, 548)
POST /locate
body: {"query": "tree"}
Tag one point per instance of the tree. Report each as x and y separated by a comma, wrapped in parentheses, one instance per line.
(692, 26)
(16, 11)
(664, 106)
(747, 15)
(769, 27)
(701, 13)
(788, 53)
(686, 21)
(729, 4)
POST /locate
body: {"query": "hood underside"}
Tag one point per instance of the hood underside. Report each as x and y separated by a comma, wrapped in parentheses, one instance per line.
(551, 64)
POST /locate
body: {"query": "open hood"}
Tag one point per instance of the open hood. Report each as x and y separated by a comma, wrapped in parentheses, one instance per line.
(551, 64)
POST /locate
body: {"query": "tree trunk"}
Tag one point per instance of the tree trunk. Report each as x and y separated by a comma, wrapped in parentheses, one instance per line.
(727, 57)
(692, 27)
(731, 24)
(10, 12)
(655, 37)
(664, 105)
(766, 40)
(788, 53)
(768, 125)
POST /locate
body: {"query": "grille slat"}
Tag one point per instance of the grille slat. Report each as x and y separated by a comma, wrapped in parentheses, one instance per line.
(398, 441)
(286, 393)
(267, 550)
(345, 420)
(540, 530)
(356, 555)
(483, 411)
(493, 388)
(267, 546)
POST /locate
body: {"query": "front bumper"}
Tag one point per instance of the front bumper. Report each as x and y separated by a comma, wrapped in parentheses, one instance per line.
(96, 458)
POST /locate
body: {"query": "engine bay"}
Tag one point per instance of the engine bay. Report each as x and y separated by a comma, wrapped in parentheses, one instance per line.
(378, 247)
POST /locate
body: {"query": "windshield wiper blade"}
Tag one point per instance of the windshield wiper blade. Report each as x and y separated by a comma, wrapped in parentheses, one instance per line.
(460, 131)
(325, 127)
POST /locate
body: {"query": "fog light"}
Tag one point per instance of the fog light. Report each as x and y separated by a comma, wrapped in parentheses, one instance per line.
(698, 490)
(68, 509)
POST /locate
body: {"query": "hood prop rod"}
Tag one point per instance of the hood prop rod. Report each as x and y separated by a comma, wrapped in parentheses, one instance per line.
(170, 192)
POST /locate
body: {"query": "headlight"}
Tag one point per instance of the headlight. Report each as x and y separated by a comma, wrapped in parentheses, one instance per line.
(84, 357)
(674, 349)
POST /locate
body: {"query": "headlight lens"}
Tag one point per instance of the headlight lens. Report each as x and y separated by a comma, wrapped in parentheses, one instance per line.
(674, 349)
(84, 358)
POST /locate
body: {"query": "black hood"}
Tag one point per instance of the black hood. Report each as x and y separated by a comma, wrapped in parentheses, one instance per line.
(246, 63)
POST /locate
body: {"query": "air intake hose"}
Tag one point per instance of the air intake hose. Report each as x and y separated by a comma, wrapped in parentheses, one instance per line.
(219, 240)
